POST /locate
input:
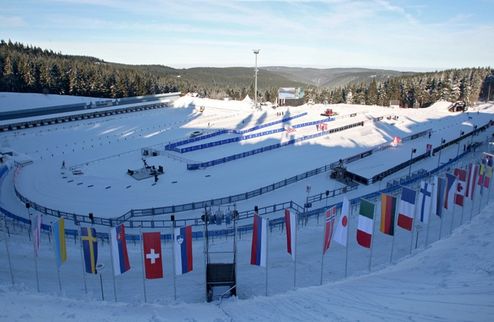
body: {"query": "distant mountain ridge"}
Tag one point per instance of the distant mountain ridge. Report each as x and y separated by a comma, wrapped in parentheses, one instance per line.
(333, 77)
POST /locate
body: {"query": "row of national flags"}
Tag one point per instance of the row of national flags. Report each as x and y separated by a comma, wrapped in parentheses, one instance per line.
(432, 198)
(152, 252)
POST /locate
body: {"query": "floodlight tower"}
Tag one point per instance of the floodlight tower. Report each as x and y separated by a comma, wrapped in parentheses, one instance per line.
(256, 52)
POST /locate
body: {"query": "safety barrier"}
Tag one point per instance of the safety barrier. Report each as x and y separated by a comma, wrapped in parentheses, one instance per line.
(173, 146)
(202, 165)
(247, 137)
(380, 147)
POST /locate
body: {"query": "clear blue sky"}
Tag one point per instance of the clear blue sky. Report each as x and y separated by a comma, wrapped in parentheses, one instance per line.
(414, 34)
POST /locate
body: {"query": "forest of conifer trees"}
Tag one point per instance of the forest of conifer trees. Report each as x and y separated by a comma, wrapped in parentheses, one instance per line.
(419, 90)
(30, 69)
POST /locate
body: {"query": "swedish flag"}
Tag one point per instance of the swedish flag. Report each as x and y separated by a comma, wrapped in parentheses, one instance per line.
(90, 249)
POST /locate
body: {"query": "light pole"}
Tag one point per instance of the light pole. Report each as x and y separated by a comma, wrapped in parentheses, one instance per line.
(459, 143)
(439, 159)
(256, 52)
(410, 167)
(471, 136)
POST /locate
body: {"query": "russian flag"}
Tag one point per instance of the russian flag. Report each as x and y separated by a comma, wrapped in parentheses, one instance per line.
(183, 249)
(258, 253)
(120, 257)
(291, 227)
(407, 208)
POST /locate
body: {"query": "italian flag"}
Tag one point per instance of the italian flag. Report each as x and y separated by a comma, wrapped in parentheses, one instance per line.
(365, 223)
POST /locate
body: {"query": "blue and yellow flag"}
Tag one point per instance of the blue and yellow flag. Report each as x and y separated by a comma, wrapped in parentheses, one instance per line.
(58, 231)
(90, 249)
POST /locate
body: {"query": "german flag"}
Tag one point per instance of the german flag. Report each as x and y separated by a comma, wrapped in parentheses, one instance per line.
(388, 209)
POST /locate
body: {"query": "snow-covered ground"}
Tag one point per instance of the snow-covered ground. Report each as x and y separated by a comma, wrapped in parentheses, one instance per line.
(105, 149)
(18, 101)
(450, 279)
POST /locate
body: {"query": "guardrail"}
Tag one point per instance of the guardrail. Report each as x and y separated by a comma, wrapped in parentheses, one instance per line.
(380, 147)
(173, 146)
(202, 165)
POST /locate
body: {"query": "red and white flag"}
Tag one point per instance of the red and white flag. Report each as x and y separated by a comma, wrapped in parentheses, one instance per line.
(152, 255)
(291, 235)
(341, 231)
(460, 186)
(329, 228)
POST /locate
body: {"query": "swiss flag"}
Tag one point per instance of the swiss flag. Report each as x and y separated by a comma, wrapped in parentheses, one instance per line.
(461, 186)
(152, 255)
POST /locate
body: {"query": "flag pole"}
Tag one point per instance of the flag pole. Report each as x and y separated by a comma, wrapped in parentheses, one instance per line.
(295, 252)
(482, 193)
(7, 248)
(429, 218)
(372, 237)
(462, 211)
(142, 264)
(35, 257)
(112, 265)
(174, 259)
(267, 253)
(394, 233)
(82, 262)
(452, 217)
(56, 264)
(322, 253)
(347, 235)
(472, 204)
(443, 213)
(413, 221)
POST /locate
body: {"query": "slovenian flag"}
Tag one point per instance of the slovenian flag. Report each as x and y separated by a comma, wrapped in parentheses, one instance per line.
(183, 249)
(258, 253)
(407, 208)
(58, 231)
(450, 190)
(291, 228)
(120, 257)
(365, 223)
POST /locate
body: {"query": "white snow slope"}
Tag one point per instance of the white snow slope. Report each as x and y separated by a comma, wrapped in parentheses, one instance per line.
(453, 280)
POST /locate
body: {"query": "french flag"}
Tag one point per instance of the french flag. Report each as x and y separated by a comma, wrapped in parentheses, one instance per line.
(183, 249)
(407, 208)
(258, 253)
(291, 227)
(120, 257)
